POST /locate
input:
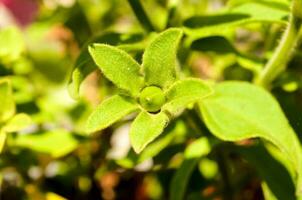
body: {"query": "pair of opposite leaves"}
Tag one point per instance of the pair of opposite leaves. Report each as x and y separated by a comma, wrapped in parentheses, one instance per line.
(232, 110)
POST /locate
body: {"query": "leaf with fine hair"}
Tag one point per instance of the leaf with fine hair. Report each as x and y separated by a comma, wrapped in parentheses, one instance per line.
(7, 108)
(84, 64)
(240, 110)
(145, 128)
(184, 92)
(159, 59)
(118, 66)
(110, 111)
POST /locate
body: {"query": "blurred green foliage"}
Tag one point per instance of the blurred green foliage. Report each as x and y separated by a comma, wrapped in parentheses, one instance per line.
(46, 152)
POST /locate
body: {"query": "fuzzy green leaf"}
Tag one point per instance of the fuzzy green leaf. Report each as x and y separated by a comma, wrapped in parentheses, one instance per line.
(18, 122)
(7, 108)
(118, 66)
(145, 128)
(110, 111)
(84, 64)
(240, 110)
(184, 92)
(171, 132)
(159, 59)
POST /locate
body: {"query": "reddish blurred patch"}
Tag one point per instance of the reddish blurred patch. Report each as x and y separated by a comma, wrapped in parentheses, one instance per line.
(24, 11)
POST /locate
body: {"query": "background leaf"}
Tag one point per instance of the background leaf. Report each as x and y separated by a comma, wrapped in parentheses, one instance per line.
(263, 11)
(2, 139)
(145, 128)
(223, 22)
(7, 108)
(56, 143)
(217, 44)
(159, 59)
(110, 111)
(198, 148)
(18, 122)
(11, 44)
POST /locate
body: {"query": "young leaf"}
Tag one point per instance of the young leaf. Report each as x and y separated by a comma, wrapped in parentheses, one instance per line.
(18, 122)
(145, 128)
(181, 179)
(7, 108)
(171, 132)
(110, 111)
(118, 66)
(240, 110)
(184, 92)
(159, 59)
(84, 64)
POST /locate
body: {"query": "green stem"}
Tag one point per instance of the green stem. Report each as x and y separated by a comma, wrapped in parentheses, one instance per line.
(277, 63)
(172, 13)
(225, 174)
(141, 15)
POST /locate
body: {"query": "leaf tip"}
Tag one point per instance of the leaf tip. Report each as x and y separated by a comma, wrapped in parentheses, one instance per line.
(137, 150)
(73, 91)
(91, 48)
(89, 128)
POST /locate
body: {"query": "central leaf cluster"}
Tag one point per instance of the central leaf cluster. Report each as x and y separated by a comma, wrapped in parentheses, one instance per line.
(152, 98)
(151, 89)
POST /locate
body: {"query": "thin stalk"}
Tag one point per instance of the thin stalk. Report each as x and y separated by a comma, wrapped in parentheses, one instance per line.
(225, 174)
(281, 56)
(141, 15)
(172, 13)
